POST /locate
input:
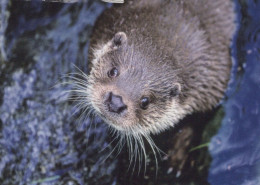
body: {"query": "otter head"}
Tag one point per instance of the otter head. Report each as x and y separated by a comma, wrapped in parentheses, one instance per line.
(134, 87)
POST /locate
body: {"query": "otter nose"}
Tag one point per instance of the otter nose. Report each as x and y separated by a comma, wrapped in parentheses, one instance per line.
(115, 103)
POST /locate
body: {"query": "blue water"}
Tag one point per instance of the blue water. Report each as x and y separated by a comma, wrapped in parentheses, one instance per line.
(41, 141)
(236, 148)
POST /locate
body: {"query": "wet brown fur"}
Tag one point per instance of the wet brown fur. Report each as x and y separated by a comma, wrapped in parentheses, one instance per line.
(182, 43)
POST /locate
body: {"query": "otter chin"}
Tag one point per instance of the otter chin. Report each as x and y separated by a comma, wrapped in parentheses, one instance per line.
(154, 62)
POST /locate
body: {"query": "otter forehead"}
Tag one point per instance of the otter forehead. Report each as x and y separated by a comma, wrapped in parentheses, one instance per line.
(141, 70)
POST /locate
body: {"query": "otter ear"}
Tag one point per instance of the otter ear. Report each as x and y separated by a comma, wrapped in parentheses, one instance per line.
(119, 39)
(176, 90)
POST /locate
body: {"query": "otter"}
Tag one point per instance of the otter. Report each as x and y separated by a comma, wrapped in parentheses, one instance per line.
(154, 62)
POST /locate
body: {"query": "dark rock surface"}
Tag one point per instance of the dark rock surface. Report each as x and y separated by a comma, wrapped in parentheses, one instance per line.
(40, 140)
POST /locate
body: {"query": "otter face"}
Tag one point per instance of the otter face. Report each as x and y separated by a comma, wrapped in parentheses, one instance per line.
(133, 88)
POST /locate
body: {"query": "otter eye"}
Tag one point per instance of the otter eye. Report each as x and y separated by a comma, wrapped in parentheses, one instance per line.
(144, 102)
(113, 72)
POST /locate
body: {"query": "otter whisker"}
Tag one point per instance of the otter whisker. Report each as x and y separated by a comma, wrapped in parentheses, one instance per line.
(107, 145)
(110, 153)
(96, 136)
(127, 138)
(138, 140)
(75, 76)
(82, 118)
(136, 155)
(114, 132)
(80, 71)
(144, 152)
(133, 151)
(83, 75)
(80, 97)
(120, 147)
(85, 110)
(76, 85)
(153, 147)
(77, 107)
(121, 140)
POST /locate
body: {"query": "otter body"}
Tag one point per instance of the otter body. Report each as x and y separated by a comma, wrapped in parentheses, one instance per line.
(154, 62)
